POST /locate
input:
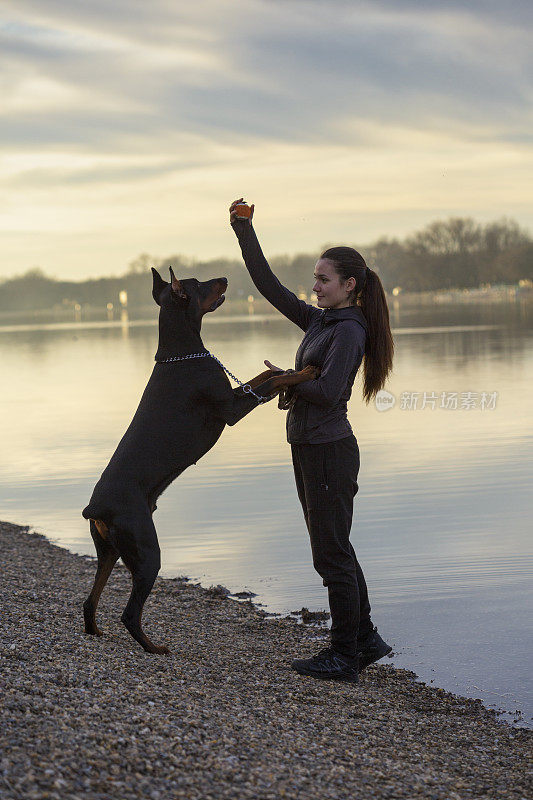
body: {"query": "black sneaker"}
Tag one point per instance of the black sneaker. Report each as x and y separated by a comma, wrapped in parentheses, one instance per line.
(371, 649)
(328, 665)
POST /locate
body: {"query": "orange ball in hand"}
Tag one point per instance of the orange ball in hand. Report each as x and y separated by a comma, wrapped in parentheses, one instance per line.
(243, 211)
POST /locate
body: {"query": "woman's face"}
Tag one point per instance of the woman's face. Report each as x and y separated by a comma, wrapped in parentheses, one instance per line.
(330, 291)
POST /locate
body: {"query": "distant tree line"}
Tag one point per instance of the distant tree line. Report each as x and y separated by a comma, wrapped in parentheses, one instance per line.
(455, 253)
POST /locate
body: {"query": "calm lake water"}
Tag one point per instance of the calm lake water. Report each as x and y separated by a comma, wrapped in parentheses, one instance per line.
(442, 522)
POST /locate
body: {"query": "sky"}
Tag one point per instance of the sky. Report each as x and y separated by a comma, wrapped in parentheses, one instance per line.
(129, 127)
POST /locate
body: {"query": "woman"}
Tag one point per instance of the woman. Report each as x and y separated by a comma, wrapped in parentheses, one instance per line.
(353, 324)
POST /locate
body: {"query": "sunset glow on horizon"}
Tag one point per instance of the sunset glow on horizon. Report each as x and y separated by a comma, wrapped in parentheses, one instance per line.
(130, 128)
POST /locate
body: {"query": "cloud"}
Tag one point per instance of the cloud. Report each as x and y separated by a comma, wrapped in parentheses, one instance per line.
(294, 70)
(111, 110)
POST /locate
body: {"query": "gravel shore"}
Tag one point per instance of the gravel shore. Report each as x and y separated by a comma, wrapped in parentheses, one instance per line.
(223, 716)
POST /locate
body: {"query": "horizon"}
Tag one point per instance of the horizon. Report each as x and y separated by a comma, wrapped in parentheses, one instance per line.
(189, 262)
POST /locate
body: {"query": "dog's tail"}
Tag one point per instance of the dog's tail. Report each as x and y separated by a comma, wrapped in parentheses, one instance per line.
(93, 515)
(89, 512)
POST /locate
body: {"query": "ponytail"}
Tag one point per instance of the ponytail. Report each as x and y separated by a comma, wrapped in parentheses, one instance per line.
(379, 349)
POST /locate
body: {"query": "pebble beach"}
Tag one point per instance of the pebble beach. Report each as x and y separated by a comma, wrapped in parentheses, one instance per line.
(222, 716)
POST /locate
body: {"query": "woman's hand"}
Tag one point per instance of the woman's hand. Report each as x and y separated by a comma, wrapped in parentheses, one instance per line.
(233, 214)
(271, 366)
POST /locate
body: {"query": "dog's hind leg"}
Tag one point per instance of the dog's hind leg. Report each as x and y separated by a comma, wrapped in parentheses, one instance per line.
(136, 540)
(107, 558)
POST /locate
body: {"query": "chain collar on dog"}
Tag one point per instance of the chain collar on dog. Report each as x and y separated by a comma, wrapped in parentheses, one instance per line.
(245, 386)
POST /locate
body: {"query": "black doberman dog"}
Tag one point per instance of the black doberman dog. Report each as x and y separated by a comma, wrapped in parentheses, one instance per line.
(181, 415)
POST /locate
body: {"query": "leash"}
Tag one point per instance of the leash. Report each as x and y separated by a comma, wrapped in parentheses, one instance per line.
(247, 389)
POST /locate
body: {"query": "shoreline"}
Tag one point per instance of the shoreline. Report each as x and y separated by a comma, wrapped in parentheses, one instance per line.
(500, 294)
(223, 715)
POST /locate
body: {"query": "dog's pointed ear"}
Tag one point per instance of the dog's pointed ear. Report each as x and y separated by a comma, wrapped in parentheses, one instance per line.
(179, 295)
(158, 286)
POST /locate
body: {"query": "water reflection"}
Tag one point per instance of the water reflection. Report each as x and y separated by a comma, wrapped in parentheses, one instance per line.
(441, 519)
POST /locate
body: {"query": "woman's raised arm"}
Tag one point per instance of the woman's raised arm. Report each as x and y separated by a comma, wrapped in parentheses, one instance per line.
(298, 311)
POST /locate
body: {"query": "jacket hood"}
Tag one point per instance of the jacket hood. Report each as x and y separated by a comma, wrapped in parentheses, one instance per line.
(330, 315)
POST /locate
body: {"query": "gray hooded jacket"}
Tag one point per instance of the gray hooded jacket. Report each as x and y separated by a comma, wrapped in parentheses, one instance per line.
(334, 341)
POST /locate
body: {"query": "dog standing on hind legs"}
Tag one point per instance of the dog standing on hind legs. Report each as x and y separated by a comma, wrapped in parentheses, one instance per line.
(183, 410)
